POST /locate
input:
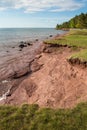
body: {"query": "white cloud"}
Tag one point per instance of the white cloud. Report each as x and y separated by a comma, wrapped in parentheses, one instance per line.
(41, 5)
(2, 8)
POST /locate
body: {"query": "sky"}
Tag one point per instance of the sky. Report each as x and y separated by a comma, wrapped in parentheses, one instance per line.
(38, 13)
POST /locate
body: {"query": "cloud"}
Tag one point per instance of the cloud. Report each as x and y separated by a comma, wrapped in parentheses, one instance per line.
(2, 8)
(41, 5)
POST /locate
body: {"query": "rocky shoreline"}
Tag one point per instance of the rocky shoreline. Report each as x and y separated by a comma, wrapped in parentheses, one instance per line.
(18, 66)
(47, 79)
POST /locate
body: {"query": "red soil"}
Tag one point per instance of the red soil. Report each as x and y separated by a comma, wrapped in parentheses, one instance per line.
(56, 84)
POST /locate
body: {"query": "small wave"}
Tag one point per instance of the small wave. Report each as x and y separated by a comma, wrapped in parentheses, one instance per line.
(4, 95)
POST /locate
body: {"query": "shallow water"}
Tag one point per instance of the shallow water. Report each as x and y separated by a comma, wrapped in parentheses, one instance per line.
(9, 36)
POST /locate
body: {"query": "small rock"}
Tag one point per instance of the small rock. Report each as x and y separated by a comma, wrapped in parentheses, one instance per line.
(22, 45)
(29, 44)
(8, 95)
(51, 36)
(20, 50)
(37, 40)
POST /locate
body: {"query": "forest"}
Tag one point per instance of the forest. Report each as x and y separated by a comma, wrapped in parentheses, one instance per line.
(79, 21)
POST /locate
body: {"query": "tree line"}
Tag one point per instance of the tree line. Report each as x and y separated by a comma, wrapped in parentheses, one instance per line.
(79, 21)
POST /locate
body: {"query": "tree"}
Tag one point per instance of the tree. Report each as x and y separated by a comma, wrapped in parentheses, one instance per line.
(79, 21)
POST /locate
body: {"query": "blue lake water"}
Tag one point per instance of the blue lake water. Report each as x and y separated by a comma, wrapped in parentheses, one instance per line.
(11, 36)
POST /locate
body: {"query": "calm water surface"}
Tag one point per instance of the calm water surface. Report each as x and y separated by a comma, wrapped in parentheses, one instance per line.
(10, 36)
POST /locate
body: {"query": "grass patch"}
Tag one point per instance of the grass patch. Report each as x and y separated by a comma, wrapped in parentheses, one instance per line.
(78, 32)
(82, 55)
(74, 39)
(31, 117)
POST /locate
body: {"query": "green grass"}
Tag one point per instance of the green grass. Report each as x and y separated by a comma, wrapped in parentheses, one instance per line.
(75, 39)
(82, 55)
(31, 117)
(78, 32)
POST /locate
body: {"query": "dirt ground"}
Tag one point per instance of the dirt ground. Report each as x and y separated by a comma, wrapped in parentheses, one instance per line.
(56, 83)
